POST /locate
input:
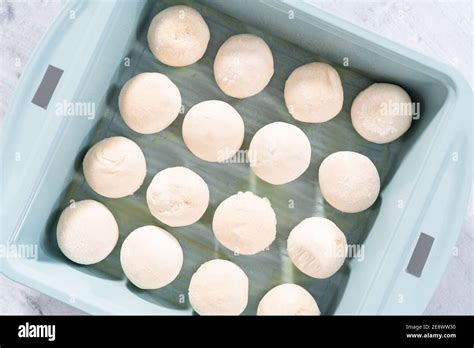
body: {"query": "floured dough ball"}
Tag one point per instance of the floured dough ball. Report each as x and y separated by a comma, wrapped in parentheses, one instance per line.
(115, 167)
(288, 299)
(178, 36)
(313, 93)
(243, 66)
(177, 196)
(349, 181)
(151, 257)
(245, 223)
(149, 102)
(87, 232)
(219, 287)
(317, 247)
(382, 112)
(213, 131)
(279, 153)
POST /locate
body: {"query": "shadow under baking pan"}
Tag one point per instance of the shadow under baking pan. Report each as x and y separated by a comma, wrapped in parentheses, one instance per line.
(292, 202)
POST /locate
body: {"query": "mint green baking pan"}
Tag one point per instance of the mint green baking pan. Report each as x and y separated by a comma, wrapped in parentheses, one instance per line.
(90, 51)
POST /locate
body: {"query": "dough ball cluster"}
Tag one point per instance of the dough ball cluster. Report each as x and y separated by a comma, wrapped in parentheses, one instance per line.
(151, 257)
(149, 102)
(219, 287)
(87, 232)
(115, 167)
(349, 181)
(279, 153)
(243, 66)
(177, 196)
(313, 93)
(178, 36)
(288, 299)
(213, 130)
(245, 223)
(382, 113)
(317, 247)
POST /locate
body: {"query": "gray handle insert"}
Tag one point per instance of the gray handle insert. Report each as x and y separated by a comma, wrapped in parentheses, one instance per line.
(47, 87)
(420, 255)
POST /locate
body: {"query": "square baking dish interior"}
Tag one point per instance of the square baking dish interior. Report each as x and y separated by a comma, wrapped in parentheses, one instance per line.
(99, 45)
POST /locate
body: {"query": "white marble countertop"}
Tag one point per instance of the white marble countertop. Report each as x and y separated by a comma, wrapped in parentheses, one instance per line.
(439, 28)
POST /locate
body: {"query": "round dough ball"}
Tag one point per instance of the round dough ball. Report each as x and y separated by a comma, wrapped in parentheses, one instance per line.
(115, 167)
(382, 112)
(243, 66)
(213, 131)
(219, 287)
(349, 181)
(177, 196)
(151, 257)
(317, 247)
(279, 153)
(149, 102)
(87, 232)
(245, 223)
(178, 36)
(288, 299)
(313, 93)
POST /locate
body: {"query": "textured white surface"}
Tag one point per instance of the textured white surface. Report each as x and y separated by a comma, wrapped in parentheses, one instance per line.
(442, 29)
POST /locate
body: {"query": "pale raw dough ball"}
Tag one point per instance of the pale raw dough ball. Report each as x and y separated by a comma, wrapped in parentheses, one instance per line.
(178, 36)
(243, 66)
(382, 112)
(151, 257)
(87, 232)
(213, 130)
(149, 102)
(279, 153)
(115, 167)
(245, 223)
(177, 196)
(219, 287)
(317, 247)
(288, 299)
(313, 93)
(349, 181)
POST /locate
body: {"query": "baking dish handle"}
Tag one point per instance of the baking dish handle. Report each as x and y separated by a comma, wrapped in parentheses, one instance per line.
(439, 215)
(53, 77)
